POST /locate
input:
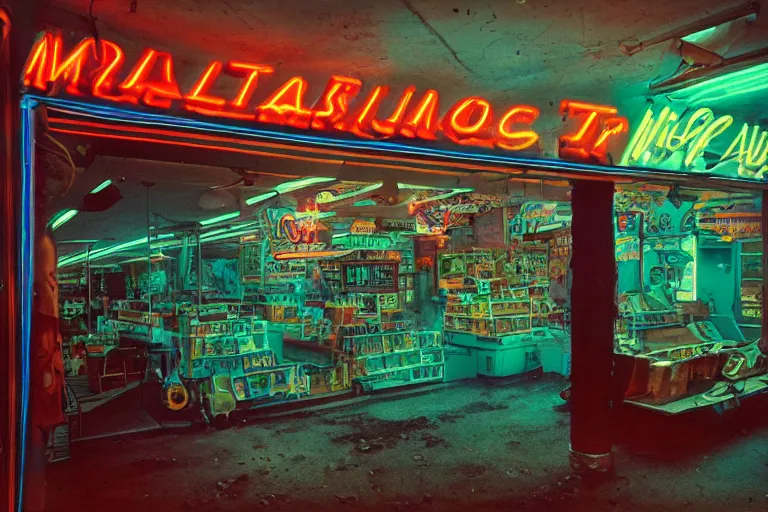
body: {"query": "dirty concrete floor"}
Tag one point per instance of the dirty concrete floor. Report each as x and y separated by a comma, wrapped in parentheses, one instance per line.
(478, 445)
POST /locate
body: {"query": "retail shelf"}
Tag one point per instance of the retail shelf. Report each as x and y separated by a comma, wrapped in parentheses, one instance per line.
(382, 354)
(658, 326)
(398, 368)
(382, 333)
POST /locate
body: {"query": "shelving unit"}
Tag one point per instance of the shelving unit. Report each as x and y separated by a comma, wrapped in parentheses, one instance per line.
(491, 317)
(751, 287)
(395, 358)
(219, 345)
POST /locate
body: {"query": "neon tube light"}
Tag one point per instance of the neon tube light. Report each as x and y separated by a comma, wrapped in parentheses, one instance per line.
(227, 234)
(310, 255)
(290, 186)
(463, 161)
(26, 276)
(365, 202)
(102, 186)
(407, 186)
(106, 251)
(62, 218)
(220, 218)
(261, 197)
(152, 82)
(352, 193)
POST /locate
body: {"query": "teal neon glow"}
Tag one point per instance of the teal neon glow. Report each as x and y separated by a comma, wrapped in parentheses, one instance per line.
(62, 218)
(406, 186)
(744, 81)
(365, 202)
(101, 253)
(261, 197)
(224, 236)
(353, 193)
(220, 218)
(102, 186)
(290, 186)
(106, 251)
(315, 214)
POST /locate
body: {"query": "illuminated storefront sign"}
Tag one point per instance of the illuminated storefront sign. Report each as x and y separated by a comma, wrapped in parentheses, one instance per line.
(362, 227)
(292, 233)
(698, 141)
(98, 68)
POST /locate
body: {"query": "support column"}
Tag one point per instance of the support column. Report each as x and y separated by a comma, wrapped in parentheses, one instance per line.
(593, 312)
(764, 309)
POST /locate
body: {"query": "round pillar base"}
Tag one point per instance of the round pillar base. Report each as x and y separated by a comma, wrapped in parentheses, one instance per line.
(591, 466)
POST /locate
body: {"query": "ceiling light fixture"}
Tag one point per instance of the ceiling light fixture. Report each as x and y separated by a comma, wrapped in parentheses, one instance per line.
(102, 186)
(352, 193)
(62, 218)
(261, 197)
(290, 186)
(220, 218)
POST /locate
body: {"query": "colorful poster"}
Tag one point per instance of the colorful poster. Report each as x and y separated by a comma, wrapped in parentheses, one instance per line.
(733, 225)
(560, 253)
(628, 248)
(539, 216)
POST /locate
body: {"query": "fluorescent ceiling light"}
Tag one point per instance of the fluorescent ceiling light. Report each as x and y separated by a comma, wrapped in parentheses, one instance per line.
(403, 186)
(100, 253)
(353, 193)
(315, 214)
(220, 218)
(744, 81)
(365, 202)
(215, 236)
(102, 186)
(61, 218)
(261, 197)
(290, 186)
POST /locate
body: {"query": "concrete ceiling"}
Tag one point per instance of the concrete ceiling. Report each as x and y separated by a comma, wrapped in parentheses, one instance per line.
(510, 51)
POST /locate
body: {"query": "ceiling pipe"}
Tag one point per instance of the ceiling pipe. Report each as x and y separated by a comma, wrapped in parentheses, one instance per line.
(751, 9)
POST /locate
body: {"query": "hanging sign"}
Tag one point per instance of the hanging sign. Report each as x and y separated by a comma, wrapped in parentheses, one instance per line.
(99, 68)
(733, 225)
(540, 217)
(698, 141)
(397, 224)
(362, 227)
(296, 234)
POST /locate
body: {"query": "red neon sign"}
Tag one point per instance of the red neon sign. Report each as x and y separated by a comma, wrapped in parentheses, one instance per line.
(88, 70)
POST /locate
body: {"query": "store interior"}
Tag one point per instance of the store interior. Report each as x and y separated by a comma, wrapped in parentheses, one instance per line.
(240, 288)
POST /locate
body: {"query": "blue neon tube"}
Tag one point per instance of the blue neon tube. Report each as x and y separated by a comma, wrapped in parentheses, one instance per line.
(26, 270)
(371, 146)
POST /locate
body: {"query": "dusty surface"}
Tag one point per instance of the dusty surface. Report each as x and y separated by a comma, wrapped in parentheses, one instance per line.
(475, 446)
